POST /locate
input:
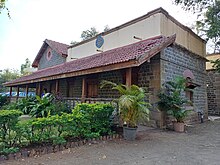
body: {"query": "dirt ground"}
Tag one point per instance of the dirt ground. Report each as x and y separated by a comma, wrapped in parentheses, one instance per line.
(200, 145)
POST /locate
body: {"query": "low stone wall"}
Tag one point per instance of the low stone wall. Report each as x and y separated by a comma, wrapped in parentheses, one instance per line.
(42, 150)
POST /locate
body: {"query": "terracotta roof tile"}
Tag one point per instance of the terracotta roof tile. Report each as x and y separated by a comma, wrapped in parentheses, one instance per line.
(58, 47)
(133, 51)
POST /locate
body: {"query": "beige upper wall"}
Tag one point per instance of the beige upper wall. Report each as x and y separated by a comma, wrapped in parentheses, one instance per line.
(153, 25)
(183, 37)
(121, 37)
(211, 57)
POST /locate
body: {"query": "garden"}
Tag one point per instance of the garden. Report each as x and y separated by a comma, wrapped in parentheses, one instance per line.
(51, 123)
(48, 121)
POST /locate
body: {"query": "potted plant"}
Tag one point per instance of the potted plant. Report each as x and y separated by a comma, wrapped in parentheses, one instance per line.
(174, 103)
(132, 107)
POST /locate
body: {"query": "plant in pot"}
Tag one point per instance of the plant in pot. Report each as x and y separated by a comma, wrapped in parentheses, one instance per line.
(174, 103)
(132, 107)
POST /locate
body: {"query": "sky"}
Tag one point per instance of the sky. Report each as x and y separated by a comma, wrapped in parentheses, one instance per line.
(33, 21)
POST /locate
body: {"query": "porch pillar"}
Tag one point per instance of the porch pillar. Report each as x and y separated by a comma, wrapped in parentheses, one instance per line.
(26, 90)
(17, 92)
(10, 92)
(38, 89)
(128, 76)
(84, 90)
(57, 87)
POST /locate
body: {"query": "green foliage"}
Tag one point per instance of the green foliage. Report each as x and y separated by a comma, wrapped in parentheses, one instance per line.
(10, 150)
(43, 106)
(208, 19)
(8, 128)
(25, 105)
(27, 64)
(98, 115)
(216, 65)
(3, 7)
(171, 99)
(132, 105)
(87, 34)
(3, 100)
(86, 121)
(7, 75)
(194, 5)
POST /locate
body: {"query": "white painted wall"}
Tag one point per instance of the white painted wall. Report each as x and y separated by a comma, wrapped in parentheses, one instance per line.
(157, 24)
(144, 29)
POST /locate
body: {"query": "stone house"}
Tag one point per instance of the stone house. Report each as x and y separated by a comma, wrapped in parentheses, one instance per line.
(146, 51)
(213, 86)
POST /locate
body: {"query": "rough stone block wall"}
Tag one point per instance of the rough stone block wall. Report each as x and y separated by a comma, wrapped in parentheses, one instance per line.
(76, 89)
(113, 76)
(63, 87)
(174, 61)
(149, 77)
(213, 92)
(56, 59)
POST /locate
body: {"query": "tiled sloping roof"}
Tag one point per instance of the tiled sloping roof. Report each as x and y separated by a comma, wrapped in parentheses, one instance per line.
(60, 48)
(135, 51)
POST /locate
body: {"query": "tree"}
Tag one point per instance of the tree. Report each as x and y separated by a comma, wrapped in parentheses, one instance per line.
(195, 5)
(87, 34)
(106, 28)
(27, 64)
(6, 76)
(74, 42)
(3, 7)
(208, 13)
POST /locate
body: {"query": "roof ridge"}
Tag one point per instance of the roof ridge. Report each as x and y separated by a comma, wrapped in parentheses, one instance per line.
(57, 42)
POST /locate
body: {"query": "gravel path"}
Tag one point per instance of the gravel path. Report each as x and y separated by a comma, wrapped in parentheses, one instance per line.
(200, 145)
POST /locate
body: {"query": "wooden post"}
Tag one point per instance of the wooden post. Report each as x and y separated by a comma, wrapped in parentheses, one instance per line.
(128, 76)
(10, 92)
(84, 90)
(17, 92)
(39, 89)
(57, 87)
(26, 90)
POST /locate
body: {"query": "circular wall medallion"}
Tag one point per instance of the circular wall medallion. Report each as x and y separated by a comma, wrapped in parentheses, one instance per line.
(99, 41)
(49, 54)
(188, 74)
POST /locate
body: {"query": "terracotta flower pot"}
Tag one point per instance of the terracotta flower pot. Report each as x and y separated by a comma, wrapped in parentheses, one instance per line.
(179, 127)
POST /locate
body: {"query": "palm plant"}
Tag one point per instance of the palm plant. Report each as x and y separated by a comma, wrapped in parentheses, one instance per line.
(132, 105)
(172, 100)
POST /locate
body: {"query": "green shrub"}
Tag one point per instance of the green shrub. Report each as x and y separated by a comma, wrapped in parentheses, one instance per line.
(3, 100)
(97, 114)
(48, 106)
(8, 127)
(10, 150)
(86, 121)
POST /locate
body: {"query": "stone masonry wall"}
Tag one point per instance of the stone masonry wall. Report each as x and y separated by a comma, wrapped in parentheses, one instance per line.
(213, 92)
(149, 77)
(76, 89)
(113, 76)
(55, 59)
(63, 87)
(174, 61)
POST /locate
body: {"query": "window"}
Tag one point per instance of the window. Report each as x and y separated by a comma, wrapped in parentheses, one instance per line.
(49, 55)
(92, 88)
(189, 88)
